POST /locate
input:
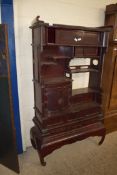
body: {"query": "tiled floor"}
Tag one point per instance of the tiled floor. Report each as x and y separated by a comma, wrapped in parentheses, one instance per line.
(81, 158)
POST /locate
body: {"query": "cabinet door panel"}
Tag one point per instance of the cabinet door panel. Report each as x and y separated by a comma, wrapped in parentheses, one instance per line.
(113, 99)
(57, 98)
(8, 153)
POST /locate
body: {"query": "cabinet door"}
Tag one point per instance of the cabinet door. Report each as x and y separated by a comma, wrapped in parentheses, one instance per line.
(8, 153)
(58, 98)
(113, 98)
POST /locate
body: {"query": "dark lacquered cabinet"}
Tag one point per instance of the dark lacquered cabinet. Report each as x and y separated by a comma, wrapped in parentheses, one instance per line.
(8, 147)
(109, 79)
(64, 115)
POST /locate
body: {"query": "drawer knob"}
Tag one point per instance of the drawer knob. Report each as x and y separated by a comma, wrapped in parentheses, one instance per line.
(76, 39)
(60, 101)
(115, 49)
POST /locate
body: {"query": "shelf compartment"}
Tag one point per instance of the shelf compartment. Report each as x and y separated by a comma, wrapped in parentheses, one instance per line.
(84, 95)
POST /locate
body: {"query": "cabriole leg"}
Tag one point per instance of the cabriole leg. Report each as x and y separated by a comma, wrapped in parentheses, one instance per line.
(102, 139)
(43, 163)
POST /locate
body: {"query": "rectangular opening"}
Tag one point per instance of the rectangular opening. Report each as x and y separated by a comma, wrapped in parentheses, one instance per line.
(80, 80)
(81, 69)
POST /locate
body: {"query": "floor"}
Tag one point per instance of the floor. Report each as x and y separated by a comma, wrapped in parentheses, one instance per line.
(81, 158)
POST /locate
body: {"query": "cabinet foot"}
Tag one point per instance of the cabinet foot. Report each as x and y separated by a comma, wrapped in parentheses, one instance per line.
(102, 140)
(43, 163)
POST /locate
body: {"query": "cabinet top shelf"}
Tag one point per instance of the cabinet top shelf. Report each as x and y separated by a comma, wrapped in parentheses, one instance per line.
(84, 91)
(111, 8)
(95, 29)
(75, 45)
(37, 22)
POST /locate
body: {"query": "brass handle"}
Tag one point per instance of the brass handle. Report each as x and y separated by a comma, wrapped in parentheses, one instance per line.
(75, 39)
(79, 38)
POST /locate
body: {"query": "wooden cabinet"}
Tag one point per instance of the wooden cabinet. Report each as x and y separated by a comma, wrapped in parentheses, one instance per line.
(109, 79)
(64, 115)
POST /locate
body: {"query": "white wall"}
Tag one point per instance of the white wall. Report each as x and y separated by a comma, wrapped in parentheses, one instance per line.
(73, 12)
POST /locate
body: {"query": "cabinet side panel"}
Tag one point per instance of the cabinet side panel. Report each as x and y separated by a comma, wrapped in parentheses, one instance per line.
(36, 67)
(113, 98)
(107, 72)
(38, 97)
(110, 20)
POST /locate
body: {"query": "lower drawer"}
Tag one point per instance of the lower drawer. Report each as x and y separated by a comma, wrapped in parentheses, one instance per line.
(69, 126)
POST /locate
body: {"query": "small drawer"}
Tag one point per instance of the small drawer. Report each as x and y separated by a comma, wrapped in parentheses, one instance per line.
(76, 37)
(86, 52)
(79, 52)
(91, 51)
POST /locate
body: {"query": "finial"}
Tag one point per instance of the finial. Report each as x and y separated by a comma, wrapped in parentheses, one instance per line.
(37, 21)
(37, 18)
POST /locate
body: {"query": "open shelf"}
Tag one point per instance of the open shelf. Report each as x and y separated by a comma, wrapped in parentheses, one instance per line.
(84, 91)
(88, 56)
(60, 57)
(48, 63)
(56, 57)
(77, 45)
(85, 95)
(82, 68)
(56, 80)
